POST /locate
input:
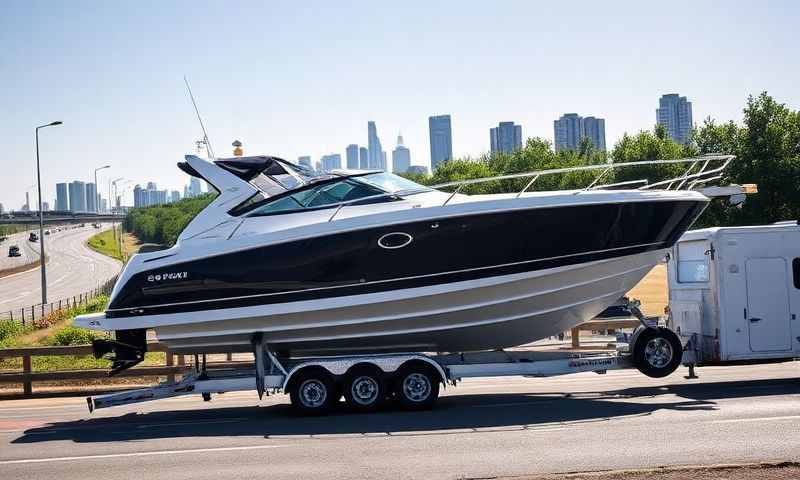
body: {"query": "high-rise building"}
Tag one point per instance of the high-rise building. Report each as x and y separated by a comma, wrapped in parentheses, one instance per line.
(26, 207)
(103, 204)
(45, 206)
(352, 156)
(441, 136)
(375, 151)
(595, 130)
(139, 196)
(91, 198)
(62, 203)
(194, 187)
(363, 158)
(401, 157)
(418, 169)
(505, 137)
(175, 196)
(305, 161)
(77, 196)
(1, 208)
(675, 114)
(571, 128)
(331, 162)
(568, 131)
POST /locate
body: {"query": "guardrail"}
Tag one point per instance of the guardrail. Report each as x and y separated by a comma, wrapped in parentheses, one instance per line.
(28, 315)
(175, 364)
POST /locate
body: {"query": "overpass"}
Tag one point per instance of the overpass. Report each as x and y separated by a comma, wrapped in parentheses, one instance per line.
(60, 217)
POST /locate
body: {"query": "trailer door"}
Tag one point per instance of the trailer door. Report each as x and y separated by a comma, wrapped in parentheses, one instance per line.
(768, 305)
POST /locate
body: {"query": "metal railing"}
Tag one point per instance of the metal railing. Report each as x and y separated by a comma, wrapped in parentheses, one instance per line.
(702, 176)
(688, 179)
(31, 314)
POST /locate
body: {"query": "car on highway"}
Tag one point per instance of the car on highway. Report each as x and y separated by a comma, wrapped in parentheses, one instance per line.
(13, 251)
(33, 237)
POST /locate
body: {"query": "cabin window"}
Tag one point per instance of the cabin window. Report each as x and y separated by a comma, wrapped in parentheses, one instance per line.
(796, 271)
(319, 197)
(693, 265)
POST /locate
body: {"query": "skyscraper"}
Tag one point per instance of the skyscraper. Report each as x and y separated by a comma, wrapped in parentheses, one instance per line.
(571, 128)
(505, 137)
(352, 156)
(91, 198)
(175, 196)
(305, 161)
(363, 158)
(375, 151)
(568, 131)
(77, 196)
(441, 136)
(194, 187)
(595, 130)
(401, 157)
(62, 203)
(331, 162)
(675, 114)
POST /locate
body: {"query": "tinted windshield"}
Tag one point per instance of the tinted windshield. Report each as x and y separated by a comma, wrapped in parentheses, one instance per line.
(350, 189)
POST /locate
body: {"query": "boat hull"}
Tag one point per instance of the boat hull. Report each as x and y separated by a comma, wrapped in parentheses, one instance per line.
(494, 312)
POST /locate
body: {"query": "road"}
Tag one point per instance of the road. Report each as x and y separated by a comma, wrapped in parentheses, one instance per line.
(72, 268)
(29, 251)
(482, 428)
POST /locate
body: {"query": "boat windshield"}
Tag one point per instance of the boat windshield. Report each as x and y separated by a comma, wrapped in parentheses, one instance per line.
(373, 188)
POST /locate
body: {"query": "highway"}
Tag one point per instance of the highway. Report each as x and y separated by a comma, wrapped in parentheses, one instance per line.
(482, 428)
(29, 251)
(72, 268)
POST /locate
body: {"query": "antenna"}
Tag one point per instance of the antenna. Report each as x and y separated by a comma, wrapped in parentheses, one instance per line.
(199, 119)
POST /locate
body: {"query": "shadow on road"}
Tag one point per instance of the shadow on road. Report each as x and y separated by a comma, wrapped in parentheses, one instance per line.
(455, 412)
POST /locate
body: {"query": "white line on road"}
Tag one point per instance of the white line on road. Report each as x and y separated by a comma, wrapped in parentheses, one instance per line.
(760, 419)
(140, 454)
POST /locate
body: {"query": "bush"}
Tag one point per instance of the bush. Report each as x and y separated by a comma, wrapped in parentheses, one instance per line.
(10, 328)
(73, 336)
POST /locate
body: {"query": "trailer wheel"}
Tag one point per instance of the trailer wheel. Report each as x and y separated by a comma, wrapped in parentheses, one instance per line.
(364, 388)
(657, 352)
(416, 386)
(313, 392)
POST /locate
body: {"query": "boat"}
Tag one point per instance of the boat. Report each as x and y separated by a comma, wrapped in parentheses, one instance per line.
(351, 262)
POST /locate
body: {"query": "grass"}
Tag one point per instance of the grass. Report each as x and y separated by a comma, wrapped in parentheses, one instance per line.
(105, 243)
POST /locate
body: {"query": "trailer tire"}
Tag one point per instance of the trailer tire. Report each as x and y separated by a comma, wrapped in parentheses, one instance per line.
(657, 352)
(364, 388)
(313, 392)
(416, 386)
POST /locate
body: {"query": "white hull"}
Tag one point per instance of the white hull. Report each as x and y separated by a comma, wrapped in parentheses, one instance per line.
(474, 315)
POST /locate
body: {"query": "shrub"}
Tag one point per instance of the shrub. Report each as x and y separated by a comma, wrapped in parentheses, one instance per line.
(73, 336)
(10, 328)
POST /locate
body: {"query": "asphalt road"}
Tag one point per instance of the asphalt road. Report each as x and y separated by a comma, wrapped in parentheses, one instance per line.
(72, 268)
(29, 251)
(482, 428)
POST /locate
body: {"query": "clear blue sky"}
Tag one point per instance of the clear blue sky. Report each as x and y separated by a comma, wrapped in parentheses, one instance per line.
(289, 80)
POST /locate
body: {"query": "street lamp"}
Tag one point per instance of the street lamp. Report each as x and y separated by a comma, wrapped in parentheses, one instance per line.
(97, 189)
(42, 259)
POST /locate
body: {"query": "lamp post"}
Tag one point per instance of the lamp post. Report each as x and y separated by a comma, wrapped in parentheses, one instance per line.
(42, 259)
(97, 189)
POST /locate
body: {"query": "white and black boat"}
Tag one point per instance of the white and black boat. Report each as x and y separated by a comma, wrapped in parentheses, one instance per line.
(353, 262)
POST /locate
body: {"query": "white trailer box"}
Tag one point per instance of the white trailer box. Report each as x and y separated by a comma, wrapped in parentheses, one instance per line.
(734, 293)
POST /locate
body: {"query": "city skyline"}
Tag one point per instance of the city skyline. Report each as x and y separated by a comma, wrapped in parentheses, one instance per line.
(124, 103)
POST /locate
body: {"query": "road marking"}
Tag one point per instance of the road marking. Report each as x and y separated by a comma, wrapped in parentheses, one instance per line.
(760, 419)
(140, 454)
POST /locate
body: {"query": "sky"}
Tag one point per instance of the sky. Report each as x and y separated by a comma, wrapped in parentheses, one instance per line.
(290, 80)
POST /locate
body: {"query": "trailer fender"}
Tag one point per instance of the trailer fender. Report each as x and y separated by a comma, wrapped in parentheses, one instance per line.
(386, 363)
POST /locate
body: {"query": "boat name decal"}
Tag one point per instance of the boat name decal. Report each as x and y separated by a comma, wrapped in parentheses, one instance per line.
(167, 276)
